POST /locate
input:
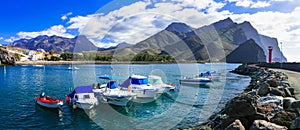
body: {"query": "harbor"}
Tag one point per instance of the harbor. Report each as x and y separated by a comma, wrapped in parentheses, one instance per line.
(185, 107)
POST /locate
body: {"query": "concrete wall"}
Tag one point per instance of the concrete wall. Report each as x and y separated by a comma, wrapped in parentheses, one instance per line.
(287, 66)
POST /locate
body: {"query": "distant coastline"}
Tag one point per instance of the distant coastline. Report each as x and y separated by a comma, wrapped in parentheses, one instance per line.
(99, 62)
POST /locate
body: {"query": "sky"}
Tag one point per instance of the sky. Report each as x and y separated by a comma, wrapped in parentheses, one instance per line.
(109, 22)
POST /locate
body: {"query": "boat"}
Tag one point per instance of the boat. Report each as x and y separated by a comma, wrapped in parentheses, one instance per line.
(202, 78)
(159, 84)
(112, 94)
(72, 68)
(139, 85)
(83, 97)
(49, 102)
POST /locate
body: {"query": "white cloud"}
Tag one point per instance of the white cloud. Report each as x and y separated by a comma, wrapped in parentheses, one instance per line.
(260, 4)
(1, 38)
(136, 22)
(57, 30)
(251, 3)
(11, 39)
(65, 16)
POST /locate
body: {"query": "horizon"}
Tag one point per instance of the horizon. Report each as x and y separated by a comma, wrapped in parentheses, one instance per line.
(68, 19)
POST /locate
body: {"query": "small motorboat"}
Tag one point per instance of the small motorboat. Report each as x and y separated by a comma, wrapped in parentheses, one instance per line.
(83, 97)
(202, 78)
(158, 82)
(48, 102)
(111, 93)
(139, 85)
(72, 68)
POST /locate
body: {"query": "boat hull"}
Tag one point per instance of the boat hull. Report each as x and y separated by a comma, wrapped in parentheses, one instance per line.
(48, 105)
(84, 105)
(117, 101)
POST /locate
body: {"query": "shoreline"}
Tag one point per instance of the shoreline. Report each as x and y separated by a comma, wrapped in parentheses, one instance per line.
(98, 62)
(269, 102)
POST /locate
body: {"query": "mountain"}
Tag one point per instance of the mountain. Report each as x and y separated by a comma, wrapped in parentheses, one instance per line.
(213, 42)
(60, 44)
(248, 51)
(263, 41)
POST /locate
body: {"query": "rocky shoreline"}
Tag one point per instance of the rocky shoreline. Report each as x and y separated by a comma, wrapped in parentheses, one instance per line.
(268, 103)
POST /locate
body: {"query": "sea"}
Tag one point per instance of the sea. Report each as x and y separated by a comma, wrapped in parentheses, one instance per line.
(185, 107)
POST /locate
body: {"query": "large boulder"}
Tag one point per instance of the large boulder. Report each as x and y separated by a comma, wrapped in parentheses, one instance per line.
(285, 117)
(273, 82)
(287, 102)
(236, 125)
(264, 89)
(277, 92)
(6, 58)
(241, 106)
(296, 123)
(264, 125)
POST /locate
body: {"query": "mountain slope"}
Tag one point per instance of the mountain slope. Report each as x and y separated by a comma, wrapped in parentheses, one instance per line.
(248, 51)
(56, 43)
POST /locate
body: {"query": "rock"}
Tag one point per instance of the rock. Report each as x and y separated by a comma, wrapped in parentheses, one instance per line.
(287, 102)
(285, 117)
(295, 104)
(296, 123)
(236, 125)
(277, 92)
(241, 106)
(263, 89)
(264, 125)
(270, 100)
(6, 58)
(292, 90)
(287, 92)
(266, 109)
(273, 82)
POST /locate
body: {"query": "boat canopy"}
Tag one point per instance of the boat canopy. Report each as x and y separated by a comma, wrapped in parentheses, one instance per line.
(84, 89)
(139, 81)
(110, 77)
(81, 89)
(112, 85)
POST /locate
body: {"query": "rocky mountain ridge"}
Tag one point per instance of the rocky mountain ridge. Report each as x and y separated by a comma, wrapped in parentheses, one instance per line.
(214, 42)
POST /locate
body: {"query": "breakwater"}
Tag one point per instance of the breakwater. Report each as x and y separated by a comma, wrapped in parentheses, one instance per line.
(267, 103)
(287, 66)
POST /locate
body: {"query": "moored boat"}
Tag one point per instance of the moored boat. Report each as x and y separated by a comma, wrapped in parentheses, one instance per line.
(202, 78)
(48, 102)
(139, 85)
(112, 94)
(158, 82)
(83, 97)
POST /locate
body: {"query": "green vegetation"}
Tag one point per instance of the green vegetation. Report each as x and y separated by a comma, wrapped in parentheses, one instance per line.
(67, 56)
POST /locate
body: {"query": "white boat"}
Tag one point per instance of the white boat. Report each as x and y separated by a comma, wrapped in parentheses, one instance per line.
(157, 82)
(203, 78)
(83, 97)
(112, 94)
(139, 85)
(72, 68)
(48, 102)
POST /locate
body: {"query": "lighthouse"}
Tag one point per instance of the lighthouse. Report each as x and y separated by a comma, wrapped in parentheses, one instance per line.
(270, 53)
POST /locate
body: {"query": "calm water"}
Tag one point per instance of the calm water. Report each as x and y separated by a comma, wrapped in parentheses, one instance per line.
(183, 108)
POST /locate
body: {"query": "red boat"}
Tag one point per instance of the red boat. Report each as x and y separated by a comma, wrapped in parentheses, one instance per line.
(48, 102)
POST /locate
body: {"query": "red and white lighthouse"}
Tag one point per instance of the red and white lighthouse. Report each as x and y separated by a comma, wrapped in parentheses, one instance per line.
(270, 53)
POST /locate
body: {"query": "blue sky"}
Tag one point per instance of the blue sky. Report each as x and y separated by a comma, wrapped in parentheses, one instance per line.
(107, 22)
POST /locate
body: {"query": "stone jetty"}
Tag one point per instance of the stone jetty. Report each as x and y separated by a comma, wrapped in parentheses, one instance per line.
(268, 103)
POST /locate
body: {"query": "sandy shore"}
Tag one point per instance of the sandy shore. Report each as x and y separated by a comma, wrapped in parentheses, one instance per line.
(294, 80)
